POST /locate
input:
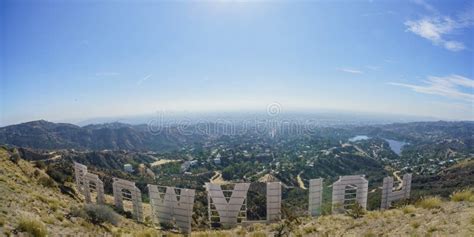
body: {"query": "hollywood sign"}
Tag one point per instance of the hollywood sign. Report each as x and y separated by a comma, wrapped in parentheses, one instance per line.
(227, 207)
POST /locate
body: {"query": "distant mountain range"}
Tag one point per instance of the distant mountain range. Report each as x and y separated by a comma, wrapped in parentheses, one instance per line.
(121, 136)
(115, 136)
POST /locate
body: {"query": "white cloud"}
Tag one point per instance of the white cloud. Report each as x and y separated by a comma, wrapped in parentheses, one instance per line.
(139, 82)
(437, 27)
(448, 86)
(454, 45)
(350, 70)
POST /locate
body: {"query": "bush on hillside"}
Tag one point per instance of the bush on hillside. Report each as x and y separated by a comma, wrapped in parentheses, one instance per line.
(166, 225)
(47, 182)
(15, 158)
(356, 211)
(56, 175)
(288, 225)
(32, 227)
(99, 214)
(40, 165)
(429, 203)
(122, 212)
(461, 196)
(78, 212)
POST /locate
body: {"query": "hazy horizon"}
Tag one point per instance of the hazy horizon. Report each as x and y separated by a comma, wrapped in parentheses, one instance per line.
(72, 61)
(176, 117)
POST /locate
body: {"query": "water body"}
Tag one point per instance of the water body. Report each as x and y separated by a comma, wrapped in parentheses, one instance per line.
(396, 146)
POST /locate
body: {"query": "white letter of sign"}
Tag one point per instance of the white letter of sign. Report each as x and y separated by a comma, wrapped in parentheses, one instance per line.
(166, 207)
(228, 210)
(126, 189)
(315, 196)
(388, 195)
(273, 201)
(348, 189)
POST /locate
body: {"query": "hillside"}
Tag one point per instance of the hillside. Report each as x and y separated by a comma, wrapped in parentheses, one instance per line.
(46, 135)
(446, 181)
(28, 193)
(449, 219)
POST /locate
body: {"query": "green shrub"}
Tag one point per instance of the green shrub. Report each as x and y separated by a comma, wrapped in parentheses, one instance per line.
(127, 214)
(166, 225)
(288, 225)
(356, 211)
(78, 212)
(47, 182)
(32, 227)
(15, 158)
(56, 175)
(326, 208)
(40, 165)
(36, 173)
(99, 214)
(430, 203)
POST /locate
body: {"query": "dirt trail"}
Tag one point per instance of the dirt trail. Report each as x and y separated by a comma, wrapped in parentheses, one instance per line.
(54, 158)
(400, 184)
(162, 162)
(300, 181)
(217, 178)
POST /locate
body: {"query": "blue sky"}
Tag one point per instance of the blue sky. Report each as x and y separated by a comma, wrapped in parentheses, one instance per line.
(73, 60)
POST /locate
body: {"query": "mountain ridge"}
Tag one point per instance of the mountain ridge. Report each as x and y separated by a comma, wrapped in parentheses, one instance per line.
(42, 134)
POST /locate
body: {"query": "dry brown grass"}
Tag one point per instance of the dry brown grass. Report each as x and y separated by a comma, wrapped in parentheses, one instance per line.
(147, 233)
(33, 227)
(408, 209)
(429, 203)
(415, 224)
(462, 196)
(213, 234)
(43, 203)
(258, 234)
